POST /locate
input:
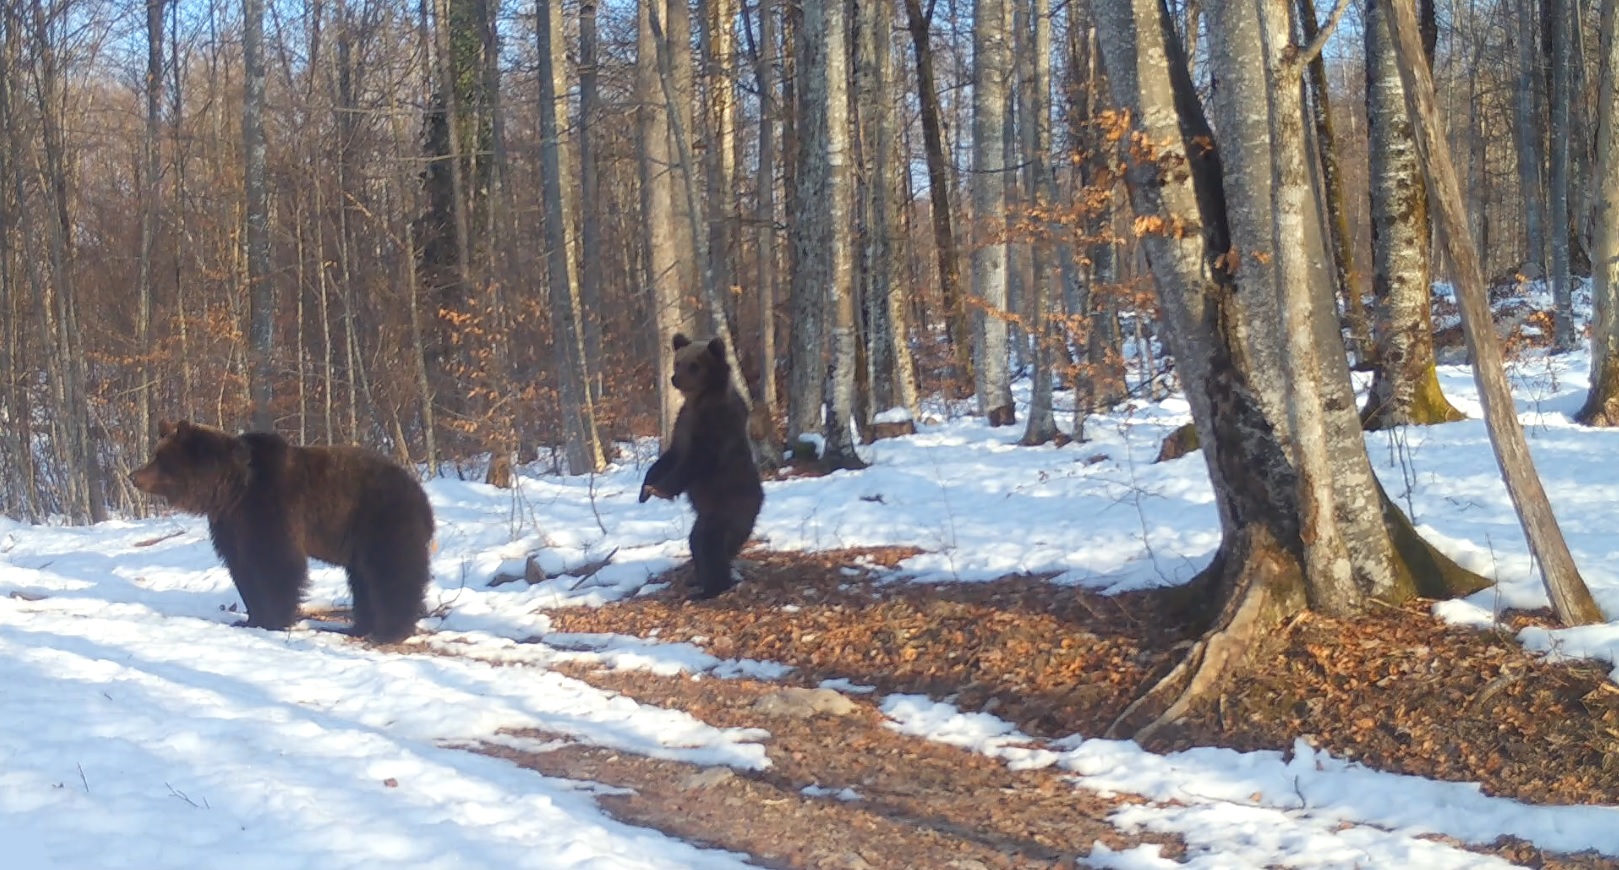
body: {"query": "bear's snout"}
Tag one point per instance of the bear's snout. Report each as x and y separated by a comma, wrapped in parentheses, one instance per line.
(146, 479)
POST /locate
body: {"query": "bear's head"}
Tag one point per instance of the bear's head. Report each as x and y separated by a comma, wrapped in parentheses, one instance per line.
(700, 368)
(196, 469)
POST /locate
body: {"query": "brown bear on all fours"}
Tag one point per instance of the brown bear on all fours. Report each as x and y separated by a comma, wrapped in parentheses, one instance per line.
(270, 505)
(710, 460)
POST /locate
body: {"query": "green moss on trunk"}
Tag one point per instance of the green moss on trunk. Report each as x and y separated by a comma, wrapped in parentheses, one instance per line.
(1426, 407)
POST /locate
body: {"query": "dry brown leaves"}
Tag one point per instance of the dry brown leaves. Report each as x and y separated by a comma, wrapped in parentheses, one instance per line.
(1396, 690)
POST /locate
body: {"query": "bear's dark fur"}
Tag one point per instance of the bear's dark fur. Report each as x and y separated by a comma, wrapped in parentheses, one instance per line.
(270, 505)
(709, 459)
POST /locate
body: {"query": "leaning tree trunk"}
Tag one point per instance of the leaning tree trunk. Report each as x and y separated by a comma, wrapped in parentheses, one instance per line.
(989, 255)
(1405, 386)
(1602, 404)
(1569, 596)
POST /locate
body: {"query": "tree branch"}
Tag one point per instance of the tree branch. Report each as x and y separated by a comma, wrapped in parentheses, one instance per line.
(1308, 52)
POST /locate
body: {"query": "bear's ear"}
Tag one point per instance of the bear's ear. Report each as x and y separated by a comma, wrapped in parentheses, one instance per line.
(680, 340)
(241, 453)
(717, 348)
(164, 428)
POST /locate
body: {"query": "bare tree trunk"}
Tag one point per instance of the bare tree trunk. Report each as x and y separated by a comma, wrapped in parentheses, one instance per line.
(664, 274)
(991, 63)
(583, 448)
(590, 225)
(1405, 387)
(1569, 596)
(1342, 242)
(1602, 404)
(1563, 337)
(260, 287)
(764, 72)
(889, 363)
(944, 236)
(831, 17)
(149, 206)
(1527, 127)
(1035, 129)
(809, 231)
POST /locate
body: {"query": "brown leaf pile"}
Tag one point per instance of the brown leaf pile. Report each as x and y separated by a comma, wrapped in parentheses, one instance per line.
(1396, 690)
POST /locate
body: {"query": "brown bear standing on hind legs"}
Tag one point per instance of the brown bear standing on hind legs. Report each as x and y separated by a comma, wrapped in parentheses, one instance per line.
(709, 459)
(270, 505)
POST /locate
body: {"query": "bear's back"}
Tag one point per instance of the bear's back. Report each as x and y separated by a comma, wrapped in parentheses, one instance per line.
(335, 496)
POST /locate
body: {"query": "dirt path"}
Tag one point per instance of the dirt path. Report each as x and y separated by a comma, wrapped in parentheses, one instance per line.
(842, 791)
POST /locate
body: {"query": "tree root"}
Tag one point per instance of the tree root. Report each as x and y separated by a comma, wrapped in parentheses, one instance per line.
(1266, 588)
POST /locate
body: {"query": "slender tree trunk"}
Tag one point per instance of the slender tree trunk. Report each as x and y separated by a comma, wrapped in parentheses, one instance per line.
(260, 286)
(944, 236)
(1036, 141)
(1527, 126)
(1569, 596)
(150, 197)
(1405, 387)
(1602, 404)
(809, 230)
(583, 448)
(840, 417)
(664, 274)
(1563, 337)
(764, 72)
(590, 224)
(1343, 243)
(991, 63)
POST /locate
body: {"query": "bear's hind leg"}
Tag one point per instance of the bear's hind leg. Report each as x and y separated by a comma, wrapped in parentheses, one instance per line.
(711, 566)
(392, 581)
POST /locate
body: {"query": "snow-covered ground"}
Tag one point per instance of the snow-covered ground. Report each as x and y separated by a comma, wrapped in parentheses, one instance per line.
(139, 729)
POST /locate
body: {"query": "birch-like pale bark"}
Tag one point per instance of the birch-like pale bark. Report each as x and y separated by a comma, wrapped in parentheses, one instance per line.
(989, 260)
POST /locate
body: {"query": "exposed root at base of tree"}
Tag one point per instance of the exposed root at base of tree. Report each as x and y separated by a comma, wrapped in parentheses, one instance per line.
(1266, 587)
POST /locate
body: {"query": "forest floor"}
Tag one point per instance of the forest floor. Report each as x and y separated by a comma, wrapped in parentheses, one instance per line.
(1397, 691)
